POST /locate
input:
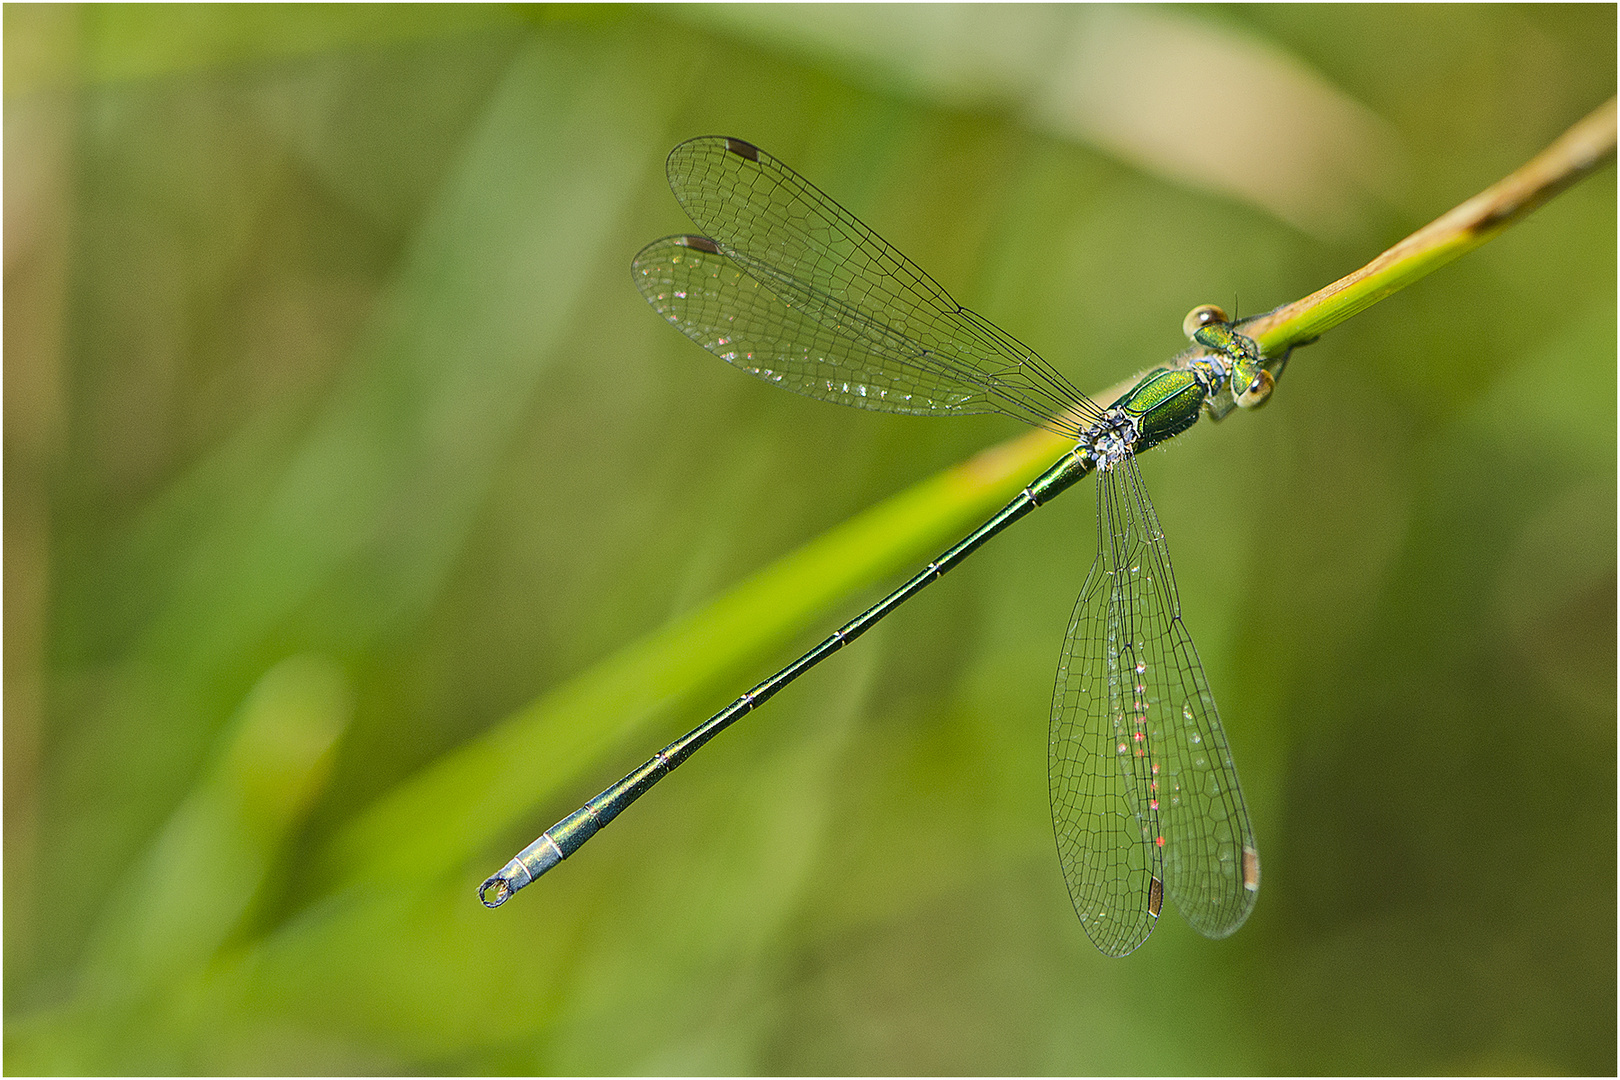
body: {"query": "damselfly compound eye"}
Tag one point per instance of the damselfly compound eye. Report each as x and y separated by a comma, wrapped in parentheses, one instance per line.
(1200, 317)
(1258, 392)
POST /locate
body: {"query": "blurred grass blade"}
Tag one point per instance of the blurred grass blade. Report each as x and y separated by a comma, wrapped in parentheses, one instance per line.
(144, 41)
(1141, 84)
(390, 864)
(374, 499)
(165, 923)
(218, 847)
(474, 796)
(390, 474)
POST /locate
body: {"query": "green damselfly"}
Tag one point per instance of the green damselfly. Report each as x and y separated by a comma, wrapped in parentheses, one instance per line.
(792, 288)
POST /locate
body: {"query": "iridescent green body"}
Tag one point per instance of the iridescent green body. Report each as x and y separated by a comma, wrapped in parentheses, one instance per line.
(1163, 403)
(791, 288)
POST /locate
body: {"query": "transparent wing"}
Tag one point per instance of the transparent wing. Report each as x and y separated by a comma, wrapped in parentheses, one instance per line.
(1101, 768)
(1145, 796)
(893, 319)
(1211, 864)
(723, 308)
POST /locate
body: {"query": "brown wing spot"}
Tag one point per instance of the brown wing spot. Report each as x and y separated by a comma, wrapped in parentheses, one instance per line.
(1155, 897)
(743, 149)
(701, 243)
(1251, 869)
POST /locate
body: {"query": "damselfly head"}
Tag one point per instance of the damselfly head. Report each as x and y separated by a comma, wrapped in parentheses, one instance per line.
(1251, 383)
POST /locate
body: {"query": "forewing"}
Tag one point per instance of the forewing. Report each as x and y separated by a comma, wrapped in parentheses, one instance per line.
(1211, 864)
(1101, 768)
(822, 260)
(715, 302)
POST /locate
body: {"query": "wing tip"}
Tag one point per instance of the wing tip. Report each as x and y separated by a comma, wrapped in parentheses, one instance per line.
(730, 144)
(742, 148)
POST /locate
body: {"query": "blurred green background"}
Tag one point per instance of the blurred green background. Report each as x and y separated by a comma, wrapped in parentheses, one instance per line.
(354, 499)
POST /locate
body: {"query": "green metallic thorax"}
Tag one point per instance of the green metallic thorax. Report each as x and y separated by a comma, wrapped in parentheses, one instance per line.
(1167, 401)
(1164, 404)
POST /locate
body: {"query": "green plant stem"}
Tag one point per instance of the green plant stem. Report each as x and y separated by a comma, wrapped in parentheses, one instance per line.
(1580, 150)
